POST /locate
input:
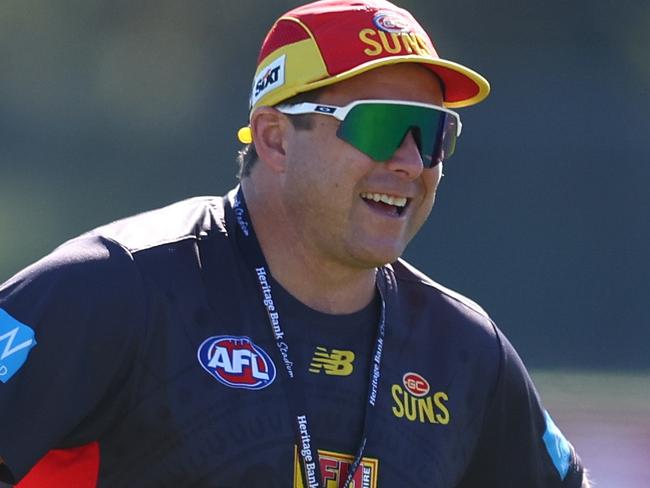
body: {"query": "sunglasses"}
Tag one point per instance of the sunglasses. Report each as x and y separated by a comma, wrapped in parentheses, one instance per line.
(378, 127)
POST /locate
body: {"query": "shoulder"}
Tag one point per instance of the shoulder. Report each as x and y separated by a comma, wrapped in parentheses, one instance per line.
(74, 263)
(98, 269)
(419, 289)
(190, 219)
(438, 315)
(462, 328)
(83, 277)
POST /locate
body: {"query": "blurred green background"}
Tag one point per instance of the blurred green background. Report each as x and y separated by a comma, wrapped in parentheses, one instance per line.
(111, 108)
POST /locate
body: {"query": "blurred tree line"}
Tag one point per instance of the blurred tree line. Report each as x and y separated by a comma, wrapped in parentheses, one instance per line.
(112, 108)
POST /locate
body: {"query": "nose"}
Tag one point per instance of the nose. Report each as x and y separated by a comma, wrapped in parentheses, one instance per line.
(407, 159)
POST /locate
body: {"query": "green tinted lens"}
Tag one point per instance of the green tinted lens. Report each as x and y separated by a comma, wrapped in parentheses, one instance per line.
(378, 129)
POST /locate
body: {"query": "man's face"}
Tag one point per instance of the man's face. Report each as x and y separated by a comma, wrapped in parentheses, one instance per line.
(329, 187)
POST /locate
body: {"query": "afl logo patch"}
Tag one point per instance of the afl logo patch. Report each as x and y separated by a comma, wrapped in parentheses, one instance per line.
(416, 385)
(237, 362)
(391, 22)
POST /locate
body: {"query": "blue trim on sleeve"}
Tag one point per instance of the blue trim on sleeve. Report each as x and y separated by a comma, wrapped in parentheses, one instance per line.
(16, 340)
(557, 446)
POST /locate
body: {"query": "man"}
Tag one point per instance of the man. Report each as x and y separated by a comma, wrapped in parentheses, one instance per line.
(262, 339)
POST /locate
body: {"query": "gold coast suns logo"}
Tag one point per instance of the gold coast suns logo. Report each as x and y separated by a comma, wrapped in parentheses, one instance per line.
(414, 401)
(393, 35)
(334, 468)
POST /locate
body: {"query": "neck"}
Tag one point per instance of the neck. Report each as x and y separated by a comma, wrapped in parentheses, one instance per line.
(320, 283)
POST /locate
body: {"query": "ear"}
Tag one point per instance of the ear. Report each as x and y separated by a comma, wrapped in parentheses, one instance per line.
(269, 128)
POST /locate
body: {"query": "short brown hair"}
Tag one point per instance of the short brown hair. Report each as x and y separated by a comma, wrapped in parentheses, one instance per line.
(247, 156)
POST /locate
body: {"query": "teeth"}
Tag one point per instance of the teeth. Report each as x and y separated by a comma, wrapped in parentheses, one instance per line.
(382, 197)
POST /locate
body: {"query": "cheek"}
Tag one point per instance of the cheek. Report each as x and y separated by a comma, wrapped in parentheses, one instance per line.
(309, 148)
(324, 169)
(431, 179)
(326, 161)
(312, 179)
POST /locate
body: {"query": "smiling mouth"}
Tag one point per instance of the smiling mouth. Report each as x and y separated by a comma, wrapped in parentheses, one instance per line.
(388, 204)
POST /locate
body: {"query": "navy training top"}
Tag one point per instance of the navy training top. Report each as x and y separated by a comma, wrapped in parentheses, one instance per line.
(141, 354)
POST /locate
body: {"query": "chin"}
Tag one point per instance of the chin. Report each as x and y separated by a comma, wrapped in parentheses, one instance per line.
(374, 257)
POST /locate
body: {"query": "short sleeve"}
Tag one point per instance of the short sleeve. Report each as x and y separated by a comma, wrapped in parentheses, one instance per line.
(68, 334)
(519, 444)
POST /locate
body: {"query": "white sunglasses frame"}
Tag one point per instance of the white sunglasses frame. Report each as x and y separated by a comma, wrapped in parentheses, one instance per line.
(340, 113)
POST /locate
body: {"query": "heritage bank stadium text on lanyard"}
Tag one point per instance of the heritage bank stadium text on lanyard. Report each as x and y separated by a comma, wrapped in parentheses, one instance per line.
(308, 453)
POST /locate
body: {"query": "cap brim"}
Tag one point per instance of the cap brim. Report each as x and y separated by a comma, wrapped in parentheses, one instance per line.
(462, 86)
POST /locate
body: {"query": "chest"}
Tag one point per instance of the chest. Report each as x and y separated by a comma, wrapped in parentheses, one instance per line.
(213, 403)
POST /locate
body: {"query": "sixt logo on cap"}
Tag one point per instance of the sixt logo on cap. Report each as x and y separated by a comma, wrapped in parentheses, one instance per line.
(391, 22)
(236, 362)
(268, 79)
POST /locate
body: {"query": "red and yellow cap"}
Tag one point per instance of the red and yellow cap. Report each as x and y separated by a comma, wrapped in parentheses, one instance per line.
(328, 41)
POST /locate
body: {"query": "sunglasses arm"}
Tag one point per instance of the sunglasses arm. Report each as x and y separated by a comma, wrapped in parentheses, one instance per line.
(338, 113)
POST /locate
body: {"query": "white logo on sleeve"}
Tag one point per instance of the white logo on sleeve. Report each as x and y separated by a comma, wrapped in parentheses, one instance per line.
(16, 339)
(557, 446)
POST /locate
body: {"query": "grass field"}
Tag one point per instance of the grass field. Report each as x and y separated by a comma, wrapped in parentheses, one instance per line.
(606, 416)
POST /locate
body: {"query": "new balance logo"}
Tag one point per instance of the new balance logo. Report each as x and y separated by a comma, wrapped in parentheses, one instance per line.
(335, 363)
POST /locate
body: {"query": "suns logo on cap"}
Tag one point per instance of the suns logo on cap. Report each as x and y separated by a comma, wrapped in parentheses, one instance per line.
(236, 362)
(391, 22)
(394, 34)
